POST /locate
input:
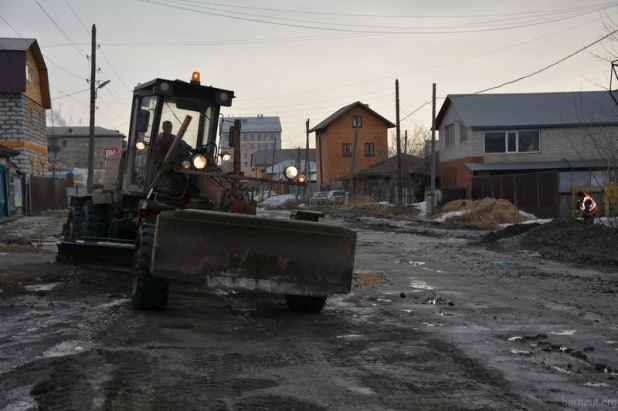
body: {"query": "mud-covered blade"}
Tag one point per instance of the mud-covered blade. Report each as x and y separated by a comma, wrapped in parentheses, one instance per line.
(248, 252)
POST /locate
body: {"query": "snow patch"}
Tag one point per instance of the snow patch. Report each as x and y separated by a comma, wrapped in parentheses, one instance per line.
(563, 332)
(422, 208)
(114, 303)
(448, 215)
(278, 200)
(41, 287)
(596, 384)
(539, 221)
(64, 349)
(524, 214)
(514, 338)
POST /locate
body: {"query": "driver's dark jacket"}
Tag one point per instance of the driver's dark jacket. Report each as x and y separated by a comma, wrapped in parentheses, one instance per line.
(162, 146)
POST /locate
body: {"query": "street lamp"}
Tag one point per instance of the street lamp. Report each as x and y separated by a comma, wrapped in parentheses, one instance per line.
(100, 86)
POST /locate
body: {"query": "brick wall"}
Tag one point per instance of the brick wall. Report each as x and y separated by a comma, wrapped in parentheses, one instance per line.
(22, 127)
(331, 164)
(455, 173)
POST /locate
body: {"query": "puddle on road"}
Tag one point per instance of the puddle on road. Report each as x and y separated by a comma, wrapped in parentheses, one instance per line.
(350, 336)
(371, 279)
(114, 303)
(563, 332)
(41, 287)
(420, 285)
(432, 324)
(65, 348)
(596, 384)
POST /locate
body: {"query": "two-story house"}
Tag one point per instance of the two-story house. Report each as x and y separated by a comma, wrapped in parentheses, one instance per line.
(24, 97)
(256, 133)
(512, 133)
(69, 146)
(334, 138)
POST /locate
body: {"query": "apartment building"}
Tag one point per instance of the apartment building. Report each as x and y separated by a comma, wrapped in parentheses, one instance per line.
(69, 146)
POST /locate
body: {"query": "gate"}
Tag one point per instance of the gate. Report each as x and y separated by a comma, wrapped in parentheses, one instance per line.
(4, 196)
(47, 194)
(535, 193)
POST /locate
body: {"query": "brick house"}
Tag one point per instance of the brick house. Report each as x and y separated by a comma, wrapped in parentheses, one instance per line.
(335, 137)
(24, 97)
(489, 134)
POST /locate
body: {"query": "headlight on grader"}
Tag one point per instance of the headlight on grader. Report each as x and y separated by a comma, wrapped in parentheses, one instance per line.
(301, 178)
(226, 156)
(140, 145)
(199, 162)
(186, 165)
(291, 172)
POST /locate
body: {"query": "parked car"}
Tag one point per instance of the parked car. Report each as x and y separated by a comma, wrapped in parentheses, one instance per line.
(335, 197)
(318, 198)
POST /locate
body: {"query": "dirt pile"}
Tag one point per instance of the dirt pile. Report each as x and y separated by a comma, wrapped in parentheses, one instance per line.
(510, 231)
(486, 214)
(571, 240)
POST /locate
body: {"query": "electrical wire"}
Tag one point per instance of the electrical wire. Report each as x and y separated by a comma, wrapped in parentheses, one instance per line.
(430, 67)
(62, 32)
(69, 95)
(383, 15)
(339, 29)
(501, 22)
(551, 65)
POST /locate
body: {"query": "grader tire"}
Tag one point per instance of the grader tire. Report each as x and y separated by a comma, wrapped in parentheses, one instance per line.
(96, 220)
(72, 229)
(148, 293)
(305, 304)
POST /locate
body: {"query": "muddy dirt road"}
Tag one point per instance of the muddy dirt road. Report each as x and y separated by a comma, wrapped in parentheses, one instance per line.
(434, 322)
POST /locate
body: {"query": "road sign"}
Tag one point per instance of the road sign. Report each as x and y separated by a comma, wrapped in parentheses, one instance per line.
(110, 151)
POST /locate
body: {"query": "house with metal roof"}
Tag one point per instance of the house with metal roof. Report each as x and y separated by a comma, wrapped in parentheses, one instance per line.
(511, 133)
(256, 133)
(24, 97)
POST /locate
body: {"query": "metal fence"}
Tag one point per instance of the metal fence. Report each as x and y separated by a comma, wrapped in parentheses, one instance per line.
(535, 193)
(47, 194)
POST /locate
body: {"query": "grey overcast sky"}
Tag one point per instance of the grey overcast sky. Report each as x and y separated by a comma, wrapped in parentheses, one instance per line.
(305, 59)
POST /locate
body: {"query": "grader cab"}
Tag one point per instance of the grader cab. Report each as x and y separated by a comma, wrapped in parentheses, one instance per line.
(169, 212)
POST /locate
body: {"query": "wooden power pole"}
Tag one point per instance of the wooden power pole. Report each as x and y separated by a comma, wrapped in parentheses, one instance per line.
(433, 149)
(405, 142)
(399, 183)
(307, 170)
(93, 73)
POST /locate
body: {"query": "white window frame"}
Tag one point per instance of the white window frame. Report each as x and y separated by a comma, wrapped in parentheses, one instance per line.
(463, 131)
(506, 141)
(451, 141)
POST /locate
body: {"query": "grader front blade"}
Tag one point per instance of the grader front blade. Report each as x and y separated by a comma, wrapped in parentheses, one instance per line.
(246, 252)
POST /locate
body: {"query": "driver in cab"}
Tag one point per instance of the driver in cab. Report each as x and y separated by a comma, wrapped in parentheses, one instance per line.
(164, 142)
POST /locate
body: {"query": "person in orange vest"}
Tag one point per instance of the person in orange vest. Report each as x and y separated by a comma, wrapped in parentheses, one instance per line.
(587, 205)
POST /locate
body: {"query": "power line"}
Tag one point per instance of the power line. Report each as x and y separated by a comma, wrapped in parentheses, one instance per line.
(75, 14)
(431, 67)
(14, 29)
(572, 14)
(64, 34)
(69, 95)
(62, 68)
(382, 15)
(551, 65)
(338, 28)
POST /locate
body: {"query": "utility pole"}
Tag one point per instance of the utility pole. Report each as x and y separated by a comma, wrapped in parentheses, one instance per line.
(399, 185)
(93, 73)
(270, 189)
(307, 170)
(351, 187)
(298, 168)
(405, 142)
(433, 149)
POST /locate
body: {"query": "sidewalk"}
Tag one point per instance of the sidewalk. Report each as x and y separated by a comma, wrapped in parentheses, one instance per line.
(11, 218)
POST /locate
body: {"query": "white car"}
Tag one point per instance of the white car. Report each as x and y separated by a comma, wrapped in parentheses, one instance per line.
(318, 198)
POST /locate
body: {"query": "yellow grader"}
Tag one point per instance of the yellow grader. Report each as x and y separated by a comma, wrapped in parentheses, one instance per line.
(169, 212)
